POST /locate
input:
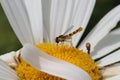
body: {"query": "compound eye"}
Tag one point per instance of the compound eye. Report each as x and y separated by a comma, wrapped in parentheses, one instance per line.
(57, 39)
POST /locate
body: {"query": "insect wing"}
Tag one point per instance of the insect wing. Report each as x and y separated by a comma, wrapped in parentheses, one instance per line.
(69, 29)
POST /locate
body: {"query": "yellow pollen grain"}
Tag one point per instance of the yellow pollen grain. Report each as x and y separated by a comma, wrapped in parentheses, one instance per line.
(67, 53)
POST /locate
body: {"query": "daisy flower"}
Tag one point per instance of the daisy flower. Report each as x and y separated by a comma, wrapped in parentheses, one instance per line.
(44, 29)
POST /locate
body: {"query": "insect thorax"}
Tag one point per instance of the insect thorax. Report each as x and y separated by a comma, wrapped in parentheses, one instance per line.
(62, 38)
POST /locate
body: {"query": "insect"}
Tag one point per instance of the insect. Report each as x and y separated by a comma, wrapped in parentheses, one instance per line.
(63, 38)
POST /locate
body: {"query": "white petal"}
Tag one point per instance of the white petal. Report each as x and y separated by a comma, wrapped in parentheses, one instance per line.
(112, 58)
(114, 78)
(6, 73)
(61, 11)
(8, 57)
(65, 13)
(102, 28)
(52, 65)
(34, 10)
(107, 44)
(81, 16)
(22, 19)
(111, 71)
(46, 7)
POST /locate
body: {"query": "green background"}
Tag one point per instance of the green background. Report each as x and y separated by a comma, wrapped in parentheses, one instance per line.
(9, 41)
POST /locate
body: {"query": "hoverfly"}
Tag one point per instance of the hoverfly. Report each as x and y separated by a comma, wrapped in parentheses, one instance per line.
(63, 38)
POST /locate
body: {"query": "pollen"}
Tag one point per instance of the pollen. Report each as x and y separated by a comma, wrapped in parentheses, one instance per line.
(68, 53)
(27, 72)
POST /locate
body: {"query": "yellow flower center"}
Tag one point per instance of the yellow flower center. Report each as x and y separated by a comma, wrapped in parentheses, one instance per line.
(67, 53)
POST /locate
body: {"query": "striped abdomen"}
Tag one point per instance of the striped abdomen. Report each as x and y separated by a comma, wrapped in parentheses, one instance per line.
(76, 31)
